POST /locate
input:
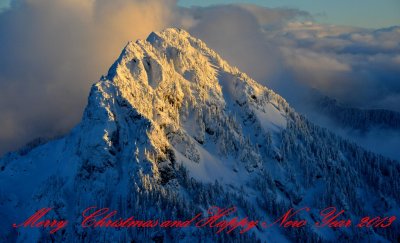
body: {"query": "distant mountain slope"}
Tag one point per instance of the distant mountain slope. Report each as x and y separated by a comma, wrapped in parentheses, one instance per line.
(376, 130)
(171, 130)
(360, 119)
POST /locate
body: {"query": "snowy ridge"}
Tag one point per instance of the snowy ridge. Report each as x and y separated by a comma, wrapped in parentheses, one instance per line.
(173, 129)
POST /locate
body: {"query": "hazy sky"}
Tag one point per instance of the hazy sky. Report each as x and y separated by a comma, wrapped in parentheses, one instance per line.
(361, 13)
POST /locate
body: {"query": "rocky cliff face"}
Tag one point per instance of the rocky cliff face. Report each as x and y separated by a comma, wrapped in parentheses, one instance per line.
(171, 130)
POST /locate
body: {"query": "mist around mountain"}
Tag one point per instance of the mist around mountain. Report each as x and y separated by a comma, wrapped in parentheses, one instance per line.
(366, 127)
(171, 130)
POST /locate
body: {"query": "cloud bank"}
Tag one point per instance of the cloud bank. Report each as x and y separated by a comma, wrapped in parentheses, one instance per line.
(53, 50)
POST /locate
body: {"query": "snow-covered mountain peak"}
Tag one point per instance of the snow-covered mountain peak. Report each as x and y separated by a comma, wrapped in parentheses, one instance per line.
(193, 100)
(173, 129)
(172, 35)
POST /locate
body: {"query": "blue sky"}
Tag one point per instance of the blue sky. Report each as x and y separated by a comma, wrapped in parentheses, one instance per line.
(3, 3)
(361, 13)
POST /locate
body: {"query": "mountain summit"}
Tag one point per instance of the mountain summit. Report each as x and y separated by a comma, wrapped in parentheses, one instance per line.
(173, 129)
